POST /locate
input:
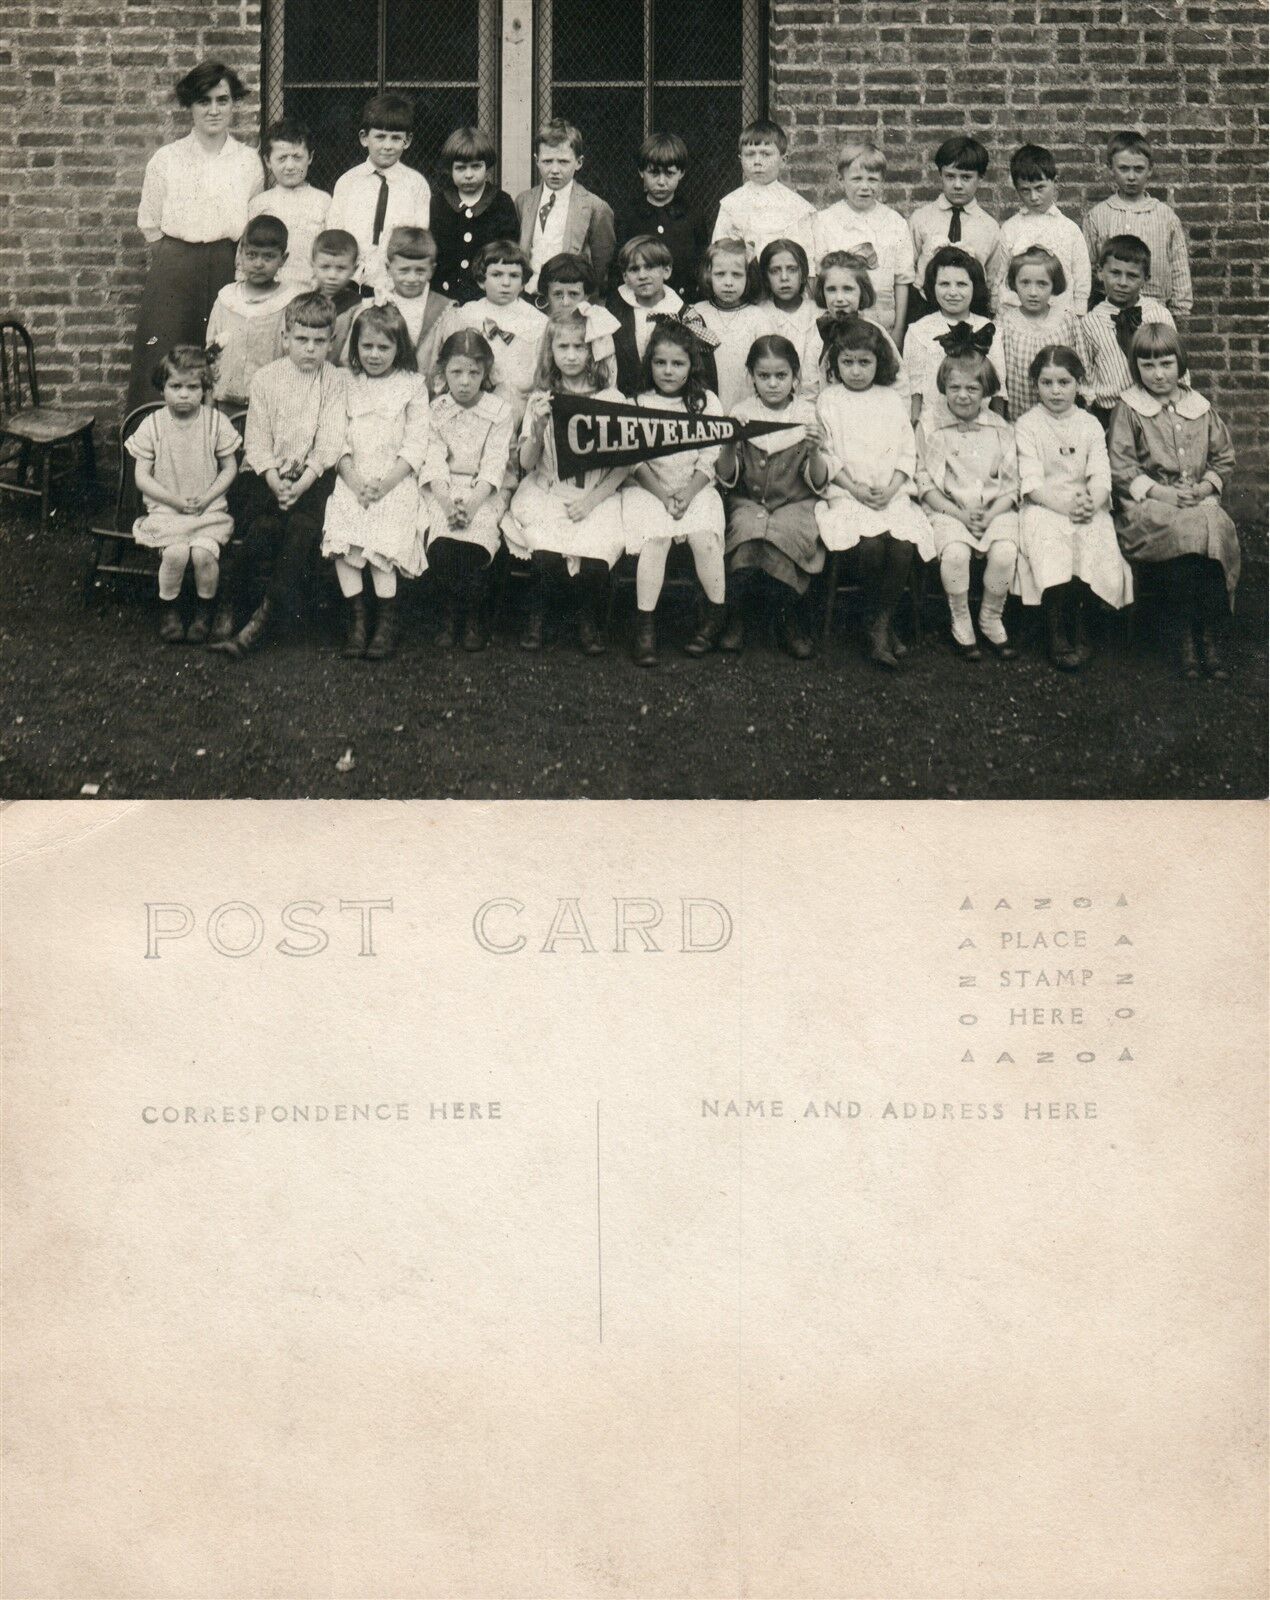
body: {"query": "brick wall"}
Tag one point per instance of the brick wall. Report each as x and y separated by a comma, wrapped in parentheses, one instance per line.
(90, 99)
(1190, 76)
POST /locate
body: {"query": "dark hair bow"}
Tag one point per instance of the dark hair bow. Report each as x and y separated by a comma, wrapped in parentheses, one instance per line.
(1127, 320)
(835, 322)
(963, 340)
(692, 321)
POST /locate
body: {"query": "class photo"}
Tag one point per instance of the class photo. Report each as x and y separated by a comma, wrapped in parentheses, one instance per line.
(942, 398)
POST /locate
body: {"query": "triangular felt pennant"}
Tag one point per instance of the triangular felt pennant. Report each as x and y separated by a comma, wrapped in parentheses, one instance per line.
(596, 435)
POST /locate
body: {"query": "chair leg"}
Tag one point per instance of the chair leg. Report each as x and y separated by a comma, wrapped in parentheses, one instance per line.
(46, 475)
(831, 594)
(88, 475)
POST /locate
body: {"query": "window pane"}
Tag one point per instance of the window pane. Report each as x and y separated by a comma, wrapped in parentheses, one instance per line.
(438, 40)
(333, 115)
(325, 41)
(612, 139)
(437, 113)
(709, 122)
(698, 39)
(597, 41)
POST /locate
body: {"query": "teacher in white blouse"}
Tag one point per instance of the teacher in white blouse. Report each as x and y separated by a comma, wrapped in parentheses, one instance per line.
(193, 210)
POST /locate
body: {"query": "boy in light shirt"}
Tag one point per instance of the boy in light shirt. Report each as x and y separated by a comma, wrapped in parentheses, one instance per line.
(381, 194)
(861, 225)
(764, 208)
(288, 152)
(1034, 172)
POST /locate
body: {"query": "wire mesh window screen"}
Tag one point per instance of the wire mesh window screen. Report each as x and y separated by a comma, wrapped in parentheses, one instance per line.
(325, 58)
(620, 69)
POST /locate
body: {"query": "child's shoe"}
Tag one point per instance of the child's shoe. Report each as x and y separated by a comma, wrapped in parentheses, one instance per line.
(898, 648)
(879, 642)
(590, 641)
(1057, 645)
(992, 627)
(531, 633)
(171, 628)
(475, 627)
(732, 639)
(250, 636)
(384, 639)
(1210, 654)
(201, 622)
(963, 630)
(646, 639)
(448, 631)
(355, 636)
(791, 634)
(222, 623)
(708, 630)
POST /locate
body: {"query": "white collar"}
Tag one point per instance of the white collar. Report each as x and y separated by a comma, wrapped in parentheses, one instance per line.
(195, 149)
(1050, 211)
(370, 170)
(1189, 405)
(669, 301)
(564, 194)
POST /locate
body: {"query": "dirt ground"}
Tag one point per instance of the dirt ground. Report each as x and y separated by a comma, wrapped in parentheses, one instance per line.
(92, 698)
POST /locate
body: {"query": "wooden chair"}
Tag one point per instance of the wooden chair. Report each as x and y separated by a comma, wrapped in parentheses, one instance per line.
(916, 593)
(32, 434)
(116, 554)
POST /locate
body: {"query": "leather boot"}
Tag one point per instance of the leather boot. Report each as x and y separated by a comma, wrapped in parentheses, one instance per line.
(646, 639)
(1210, 653)
(201, 622)
(1057, 644)
(475, 627)
(355, 636)
(171, 628)
(791, 634)
(531, 633)
(384, 639)
(222, 622)
(879, 637)
(250, 635)
(732, 639)
(447, 632)
(708, 631)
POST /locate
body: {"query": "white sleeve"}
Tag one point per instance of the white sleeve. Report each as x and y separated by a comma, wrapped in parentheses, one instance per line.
(154, 188)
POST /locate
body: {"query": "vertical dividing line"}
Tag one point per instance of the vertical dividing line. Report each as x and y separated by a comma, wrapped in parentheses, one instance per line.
(599, 1231)
(381, 62)
(650, 22)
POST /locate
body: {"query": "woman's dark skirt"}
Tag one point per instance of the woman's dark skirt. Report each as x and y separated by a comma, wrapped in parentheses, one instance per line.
(181, 288)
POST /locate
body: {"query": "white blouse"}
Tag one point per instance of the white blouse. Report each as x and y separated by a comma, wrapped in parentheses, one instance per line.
(198, 198)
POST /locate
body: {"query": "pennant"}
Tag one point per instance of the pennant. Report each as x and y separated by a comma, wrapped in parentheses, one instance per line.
(596, 435)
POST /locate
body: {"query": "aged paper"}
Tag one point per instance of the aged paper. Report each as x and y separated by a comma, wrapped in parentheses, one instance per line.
(694, 1200)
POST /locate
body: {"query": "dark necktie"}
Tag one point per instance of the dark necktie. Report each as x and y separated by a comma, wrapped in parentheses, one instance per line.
(954, 226)
(1127, 320)
(545, 211)
(381, 208)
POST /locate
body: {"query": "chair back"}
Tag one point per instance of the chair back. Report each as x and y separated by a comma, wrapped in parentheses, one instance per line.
(19, 386)
(128, 503)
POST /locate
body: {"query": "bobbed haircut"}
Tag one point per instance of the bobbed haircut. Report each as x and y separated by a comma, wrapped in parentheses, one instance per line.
(694, 391)
(870, 156)
(1032, 163)
(857, 266)
(857, 333)
(1129, 248)
(1037, 255)
(645, 249)
(558, 131)
(498, 253)
(566, 268)
(1128, 139)
(336, 242)
(963, 151)
(475, 347)
(386, 320)
(1157, 339)
(390, 113)
(312, 310)
(729, 247)
(952, 255)
(199, 82)
(789, 247)
(416, 244)
(189, 360)
(662, 150)
(1056, 355)
(287, 130)
(980, 368)
(267, 232)
(763, 131)
(468, 143)
(775, 345)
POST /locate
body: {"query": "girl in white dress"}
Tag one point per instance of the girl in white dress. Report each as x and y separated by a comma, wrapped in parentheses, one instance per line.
(873, 462)
(968, 479)
(673, 497)
(186, 460)
(730, 283)
(789, 310)
(468, 480)
(1068, 545)
(569, 528)
(372, 517)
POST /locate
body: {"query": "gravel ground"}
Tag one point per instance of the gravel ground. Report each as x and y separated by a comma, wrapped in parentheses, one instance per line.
(92, 698)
